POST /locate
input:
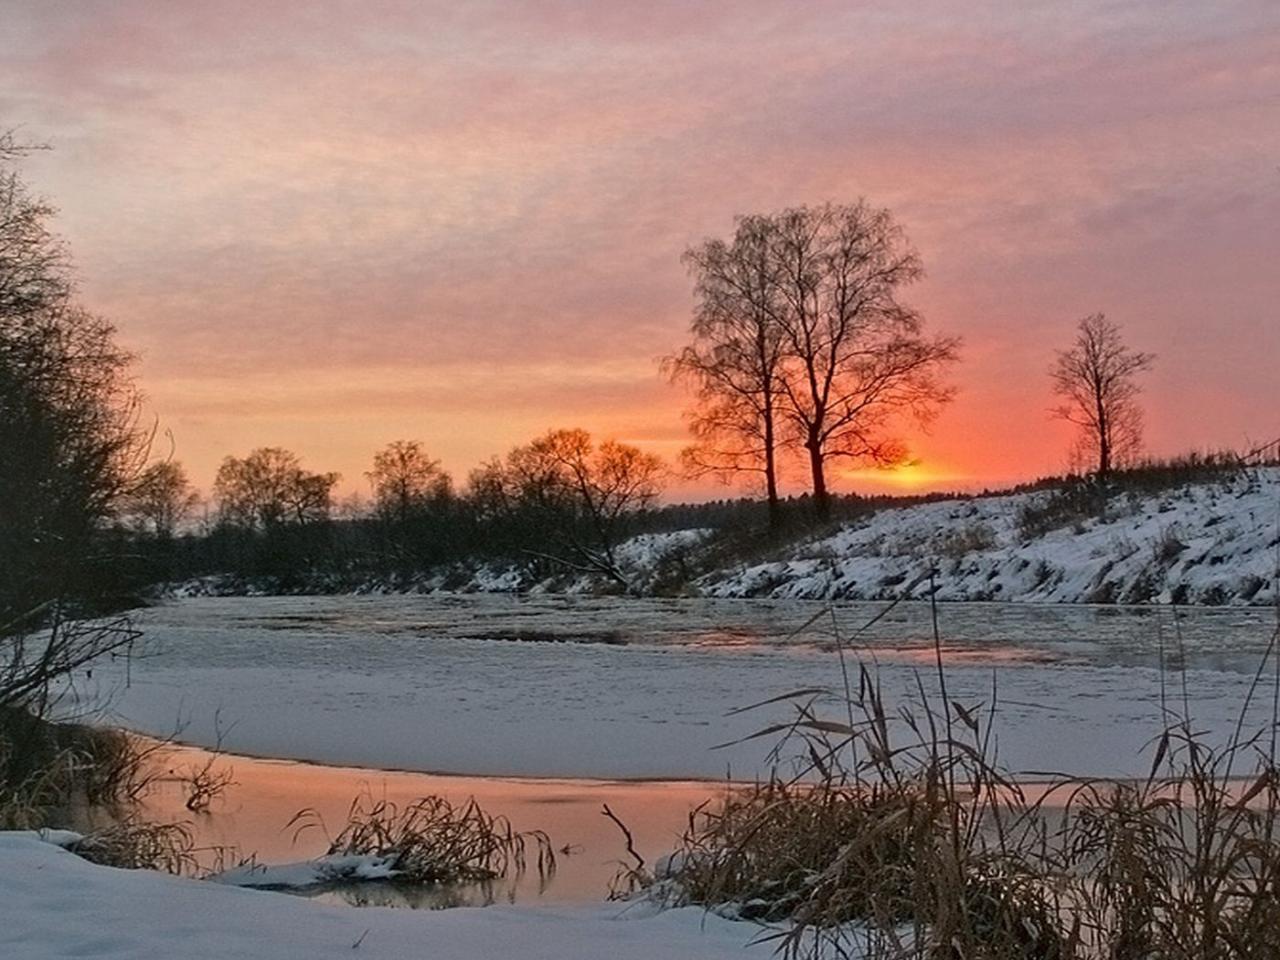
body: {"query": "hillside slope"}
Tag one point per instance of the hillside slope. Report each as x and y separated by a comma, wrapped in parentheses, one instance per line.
(1207, 543)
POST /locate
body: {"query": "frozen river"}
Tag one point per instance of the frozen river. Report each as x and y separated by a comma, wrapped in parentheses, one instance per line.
(582, 687)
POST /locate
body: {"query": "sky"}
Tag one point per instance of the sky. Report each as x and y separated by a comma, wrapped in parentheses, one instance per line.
(329, 225)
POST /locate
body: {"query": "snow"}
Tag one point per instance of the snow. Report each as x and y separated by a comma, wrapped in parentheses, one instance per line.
(643, 688)
(56, 905)
(1207, 543)
(642, 559)
(332, 868)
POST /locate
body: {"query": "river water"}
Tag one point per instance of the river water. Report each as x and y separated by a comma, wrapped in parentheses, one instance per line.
(546, 708)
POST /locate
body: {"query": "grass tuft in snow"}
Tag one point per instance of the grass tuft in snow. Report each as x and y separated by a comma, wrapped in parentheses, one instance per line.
(431, 841)
(135, 844)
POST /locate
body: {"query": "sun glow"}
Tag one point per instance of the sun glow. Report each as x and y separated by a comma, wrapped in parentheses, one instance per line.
(912, 477)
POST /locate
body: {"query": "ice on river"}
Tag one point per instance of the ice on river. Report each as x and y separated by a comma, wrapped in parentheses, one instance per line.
(623, 688)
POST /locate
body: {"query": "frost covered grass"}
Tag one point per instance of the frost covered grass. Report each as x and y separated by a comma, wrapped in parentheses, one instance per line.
(896, 834)
(429, 841)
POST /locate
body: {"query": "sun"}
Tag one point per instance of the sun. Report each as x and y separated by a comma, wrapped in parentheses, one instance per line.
(912, 476)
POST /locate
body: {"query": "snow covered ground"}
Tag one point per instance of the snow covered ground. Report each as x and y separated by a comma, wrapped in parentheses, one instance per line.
(1208, 543)
(55, 905)
(644, 688)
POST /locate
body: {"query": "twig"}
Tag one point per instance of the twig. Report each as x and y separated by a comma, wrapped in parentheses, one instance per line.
(631, 846)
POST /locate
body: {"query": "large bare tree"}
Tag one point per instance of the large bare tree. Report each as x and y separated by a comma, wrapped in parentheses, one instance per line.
(1097, 378)
(855, 358)
(269, 489)
(734, 362)
(69, 448)
(572, 499)
(405, 481)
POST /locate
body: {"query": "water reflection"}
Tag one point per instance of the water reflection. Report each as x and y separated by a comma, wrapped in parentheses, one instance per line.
(251, 819)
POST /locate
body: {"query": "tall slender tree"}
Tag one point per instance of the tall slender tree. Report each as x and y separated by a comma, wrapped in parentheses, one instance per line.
(1097, 378)
(854, 357)
(734, 362)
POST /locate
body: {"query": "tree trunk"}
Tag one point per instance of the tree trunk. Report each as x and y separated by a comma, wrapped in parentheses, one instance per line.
(821, 499)
(771, 478)
(1104, 433)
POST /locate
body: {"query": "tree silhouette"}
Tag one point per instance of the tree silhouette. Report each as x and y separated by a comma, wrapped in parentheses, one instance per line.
(1097, 377)
(734, 363)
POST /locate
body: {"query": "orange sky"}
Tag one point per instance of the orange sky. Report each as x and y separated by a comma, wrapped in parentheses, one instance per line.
(327, 225)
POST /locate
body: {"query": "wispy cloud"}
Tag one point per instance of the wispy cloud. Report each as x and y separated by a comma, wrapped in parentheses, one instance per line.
(347, 210)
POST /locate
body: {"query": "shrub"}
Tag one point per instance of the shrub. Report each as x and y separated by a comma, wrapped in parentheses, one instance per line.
(1064, 507)
(972, 537)
(48, 768)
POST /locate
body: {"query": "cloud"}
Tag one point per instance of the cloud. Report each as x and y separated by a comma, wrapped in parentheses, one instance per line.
(308, 211)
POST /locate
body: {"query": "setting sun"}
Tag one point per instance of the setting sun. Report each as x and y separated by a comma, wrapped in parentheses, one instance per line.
(910, 477)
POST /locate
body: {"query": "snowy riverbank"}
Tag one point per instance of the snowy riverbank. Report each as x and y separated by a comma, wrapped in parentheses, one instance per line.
(56, 905)
(1209, 543)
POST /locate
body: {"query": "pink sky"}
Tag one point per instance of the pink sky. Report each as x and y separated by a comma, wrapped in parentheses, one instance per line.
(329, 225)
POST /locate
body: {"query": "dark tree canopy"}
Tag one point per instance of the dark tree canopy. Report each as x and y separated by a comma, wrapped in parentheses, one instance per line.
(269, 489)
(406, 481)
(161, 500)
(568, 499)
(68, 410)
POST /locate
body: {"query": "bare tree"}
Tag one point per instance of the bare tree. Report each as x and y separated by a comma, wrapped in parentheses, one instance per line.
(161, 500)
(854, 357)
(406, 481)
(1097, 377)
(734, 362)
(34, 267)
(269, 489)
(574, 499)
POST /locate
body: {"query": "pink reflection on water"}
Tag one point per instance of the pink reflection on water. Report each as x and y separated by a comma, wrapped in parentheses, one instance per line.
(253, 814)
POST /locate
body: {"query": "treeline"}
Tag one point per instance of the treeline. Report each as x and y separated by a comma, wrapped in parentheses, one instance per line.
(562, 501)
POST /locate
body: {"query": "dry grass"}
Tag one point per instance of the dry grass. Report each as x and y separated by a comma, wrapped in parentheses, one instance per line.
(204, 783)
(431, 841)
(134, 844)
(897, 835)
(48, 769)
